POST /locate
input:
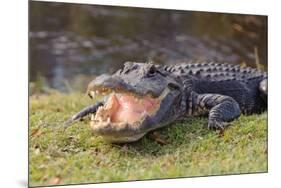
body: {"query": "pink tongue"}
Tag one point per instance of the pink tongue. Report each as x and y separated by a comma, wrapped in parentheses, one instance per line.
(130, 109)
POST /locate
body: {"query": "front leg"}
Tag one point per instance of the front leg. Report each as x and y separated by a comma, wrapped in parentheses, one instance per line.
(221, 109)
(88, 110)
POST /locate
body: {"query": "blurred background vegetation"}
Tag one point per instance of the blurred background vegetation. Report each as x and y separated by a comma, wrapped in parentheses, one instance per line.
(70, 44)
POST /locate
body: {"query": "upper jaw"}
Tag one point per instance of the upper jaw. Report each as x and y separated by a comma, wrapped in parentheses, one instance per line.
(115, 83)
(107, 83)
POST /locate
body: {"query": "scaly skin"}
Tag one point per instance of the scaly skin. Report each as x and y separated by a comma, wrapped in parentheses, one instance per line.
(242, 84)
(221, 91)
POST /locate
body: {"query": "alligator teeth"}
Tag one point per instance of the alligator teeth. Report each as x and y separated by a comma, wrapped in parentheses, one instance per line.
(93, 94)
(108, 120)
(100, 119)
(144, 113)
(100, 108)
(92, 117)
(105, 98)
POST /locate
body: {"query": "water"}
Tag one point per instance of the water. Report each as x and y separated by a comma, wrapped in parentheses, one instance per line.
(70, 44)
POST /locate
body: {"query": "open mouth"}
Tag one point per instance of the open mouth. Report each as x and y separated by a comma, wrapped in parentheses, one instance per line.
(123, 108)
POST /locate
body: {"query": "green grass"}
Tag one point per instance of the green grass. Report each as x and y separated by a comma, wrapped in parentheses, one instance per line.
(77, 156)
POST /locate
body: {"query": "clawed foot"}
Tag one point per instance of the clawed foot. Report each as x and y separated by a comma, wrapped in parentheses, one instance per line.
(216, 125)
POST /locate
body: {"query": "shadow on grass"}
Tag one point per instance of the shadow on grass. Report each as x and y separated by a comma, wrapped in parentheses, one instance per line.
(168, 138)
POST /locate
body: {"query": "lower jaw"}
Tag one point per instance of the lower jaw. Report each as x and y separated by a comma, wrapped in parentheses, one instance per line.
(117, 132)
(114, 133)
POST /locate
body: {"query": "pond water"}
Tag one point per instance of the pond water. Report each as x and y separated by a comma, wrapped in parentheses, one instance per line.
(70, 44)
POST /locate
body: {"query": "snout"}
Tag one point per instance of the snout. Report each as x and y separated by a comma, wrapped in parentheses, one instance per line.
(109, 82)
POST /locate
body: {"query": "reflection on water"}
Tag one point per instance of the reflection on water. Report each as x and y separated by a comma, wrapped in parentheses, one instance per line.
(72, 43)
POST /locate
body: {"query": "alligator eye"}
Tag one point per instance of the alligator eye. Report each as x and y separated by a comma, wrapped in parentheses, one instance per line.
(152, 71)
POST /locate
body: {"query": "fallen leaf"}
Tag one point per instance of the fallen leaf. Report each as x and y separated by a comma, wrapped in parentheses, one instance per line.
(157, 137)
(250, 136)
(221, 132)
(35, 132)
(56, 180)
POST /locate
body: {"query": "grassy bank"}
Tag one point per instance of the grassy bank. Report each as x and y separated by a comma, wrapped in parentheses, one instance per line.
(183, 149)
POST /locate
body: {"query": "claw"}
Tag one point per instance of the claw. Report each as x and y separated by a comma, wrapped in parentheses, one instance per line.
(216, 125)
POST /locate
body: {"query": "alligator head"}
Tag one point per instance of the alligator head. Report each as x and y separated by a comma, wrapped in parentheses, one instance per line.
(139, 98)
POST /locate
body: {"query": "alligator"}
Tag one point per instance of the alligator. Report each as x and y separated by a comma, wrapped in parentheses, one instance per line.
(141, 97)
